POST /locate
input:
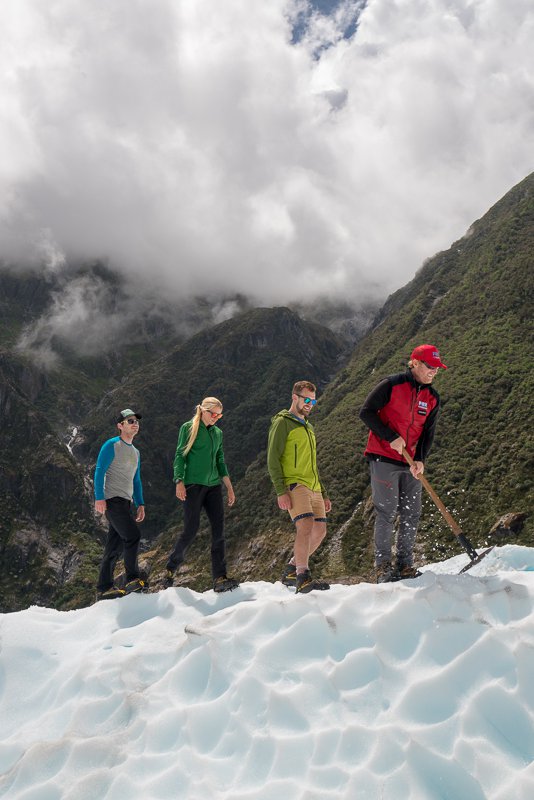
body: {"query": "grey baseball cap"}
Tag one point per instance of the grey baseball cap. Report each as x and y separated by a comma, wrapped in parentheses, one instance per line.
(127, 412)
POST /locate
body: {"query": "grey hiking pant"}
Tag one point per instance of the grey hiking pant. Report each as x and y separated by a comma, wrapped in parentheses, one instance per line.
(395, 490)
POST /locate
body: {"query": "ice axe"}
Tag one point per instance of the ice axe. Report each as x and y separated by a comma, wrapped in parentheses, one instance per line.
(451, 522)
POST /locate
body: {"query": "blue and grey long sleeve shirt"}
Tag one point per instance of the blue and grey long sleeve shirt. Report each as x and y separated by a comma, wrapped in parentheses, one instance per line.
(118, 472)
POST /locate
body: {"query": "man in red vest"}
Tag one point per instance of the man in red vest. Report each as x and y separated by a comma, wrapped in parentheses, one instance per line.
(401, 412)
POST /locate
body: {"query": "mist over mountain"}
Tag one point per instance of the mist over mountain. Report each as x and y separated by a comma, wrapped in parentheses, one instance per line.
(89, 311)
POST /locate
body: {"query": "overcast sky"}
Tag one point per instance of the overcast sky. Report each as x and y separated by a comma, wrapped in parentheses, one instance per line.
(191, 142)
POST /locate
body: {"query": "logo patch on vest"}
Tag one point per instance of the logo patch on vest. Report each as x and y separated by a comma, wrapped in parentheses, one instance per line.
(422, 408)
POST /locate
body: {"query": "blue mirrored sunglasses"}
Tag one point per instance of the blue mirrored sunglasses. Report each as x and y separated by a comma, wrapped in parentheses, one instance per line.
(307, 400)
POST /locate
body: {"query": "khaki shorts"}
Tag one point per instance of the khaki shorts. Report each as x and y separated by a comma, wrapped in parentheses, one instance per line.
(306, 503)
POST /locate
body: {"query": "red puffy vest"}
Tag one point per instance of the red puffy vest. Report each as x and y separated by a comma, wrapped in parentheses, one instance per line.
(405, 413)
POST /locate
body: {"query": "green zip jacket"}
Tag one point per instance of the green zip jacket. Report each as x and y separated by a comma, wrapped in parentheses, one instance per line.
(204, 464)
(292, 454)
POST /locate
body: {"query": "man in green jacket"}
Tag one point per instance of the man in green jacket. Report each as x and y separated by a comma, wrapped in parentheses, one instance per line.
(292, 464)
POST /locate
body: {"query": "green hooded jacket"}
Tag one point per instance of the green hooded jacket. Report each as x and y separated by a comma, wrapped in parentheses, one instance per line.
(292, 453)
(204, 464)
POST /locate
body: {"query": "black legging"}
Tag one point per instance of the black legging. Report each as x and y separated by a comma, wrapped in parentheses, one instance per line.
(123, 534)
(211, 499)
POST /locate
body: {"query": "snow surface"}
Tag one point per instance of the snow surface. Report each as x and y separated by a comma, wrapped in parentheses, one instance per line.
(408, 691)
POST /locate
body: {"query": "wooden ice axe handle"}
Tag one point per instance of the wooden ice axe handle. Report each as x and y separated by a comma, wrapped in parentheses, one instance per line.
(451, 522)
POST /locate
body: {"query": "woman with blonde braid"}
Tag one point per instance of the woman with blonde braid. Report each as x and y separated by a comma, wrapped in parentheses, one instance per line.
(198, 470)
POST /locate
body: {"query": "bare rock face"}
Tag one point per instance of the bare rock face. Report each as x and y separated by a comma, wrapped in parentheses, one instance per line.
(509, 525)
(46, 520)
(30, 544)
(36, 567)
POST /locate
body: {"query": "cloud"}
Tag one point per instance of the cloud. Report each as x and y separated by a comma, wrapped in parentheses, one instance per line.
(86, 312)
(198, 147)
(90, 312)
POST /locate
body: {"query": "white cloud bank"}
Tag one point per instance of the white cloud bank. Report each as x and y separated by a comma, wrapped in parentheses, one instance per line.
(193, 144)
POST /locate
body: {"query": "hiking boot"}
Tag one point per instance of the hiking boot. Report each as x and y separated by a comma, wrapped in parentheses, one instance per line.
(384, 573)
(111, 593)
(320, 586)
(136, 585)
(224, 584)
(168, 578)
(289, 576)
(408, 571)
(305, 583)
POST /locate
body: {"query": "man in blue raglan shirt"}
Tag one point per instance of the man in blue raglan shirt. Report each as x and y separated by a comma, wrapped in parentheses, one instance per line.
(118, 483)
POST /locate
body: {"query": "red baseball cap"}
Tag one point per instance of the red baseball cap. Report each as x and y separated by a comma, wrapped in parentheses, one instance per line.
(429, 354)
